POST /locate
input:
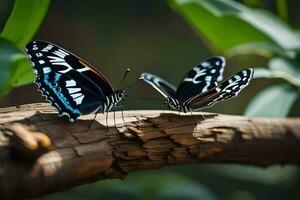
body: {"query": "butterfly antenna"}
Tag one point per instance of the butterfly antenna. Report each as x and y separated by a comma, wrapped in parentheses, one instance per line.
(124, 76)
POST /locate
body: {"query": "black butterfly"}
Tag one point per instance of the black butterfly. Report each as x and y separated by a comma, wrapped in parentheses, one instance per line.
(200, 88)
(72, 85)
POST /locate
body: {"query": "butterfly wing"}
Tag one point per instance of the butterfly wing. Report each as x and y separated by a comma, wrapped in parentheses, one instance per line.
(72, 85)
(43, 53)
(226, 90)
(162, 86)
(201, 78)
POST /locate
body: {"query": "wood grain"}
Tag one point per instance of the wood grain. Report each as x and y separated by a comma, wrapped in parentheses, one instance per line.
(42, 153)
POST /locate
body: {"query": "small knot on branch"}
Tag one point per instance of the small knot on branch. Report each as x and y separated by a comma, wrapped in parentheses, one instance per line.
(27, 143)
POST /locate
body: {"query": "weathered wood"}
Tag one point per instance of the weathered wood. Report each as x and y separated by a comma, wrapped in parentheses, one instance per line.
(41, 153)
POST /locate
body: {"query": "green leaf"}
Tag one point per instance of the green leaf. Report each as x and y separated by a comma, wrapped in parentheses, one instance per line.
(253, 3)
(227, 24)
(282, 9)
(22, 24)
(191, 191)
(9, 57)
(273, 175)
(277, 73)
(265, 49)
(262, 73)
(290, 66)
(23, 73)
(273, 101)
(24, 21)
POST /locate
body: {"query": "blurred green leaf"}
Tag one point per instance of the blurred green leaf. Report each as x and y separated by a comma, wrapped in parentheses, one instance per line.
(185, 190)
(24, 21)
(281, 68)
(282, 9)
(252, 3)
(290, 66)
(265, 49)
(227, 24)
(23, 73)
(285, 75)
(22, 24)
(10, 56)
(273, 101)
(262, 73)
(272, 175)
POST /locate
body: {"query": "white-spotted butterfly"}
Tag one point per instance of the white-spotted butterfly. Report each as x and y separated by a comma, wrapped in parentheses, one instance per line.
(200, 88)
(72, 85)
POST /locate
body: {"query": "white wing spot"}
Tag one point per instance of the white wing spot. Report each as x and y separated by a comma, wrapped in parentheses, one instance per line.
(79, 100)
(39, 54)
(208, 78)
(73, 90)
(205, 64)
(60, 53)
(46, 70)
(76, 95)
(70, 83)
(60, 61)
(35, 47)
(47, 48)
(41, 62)
(82, 69)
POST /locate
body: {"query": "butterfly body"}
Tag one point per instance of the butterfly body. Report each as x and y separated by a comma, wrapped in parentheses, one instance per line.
(200, 88)
(72, 85)
(175, 104)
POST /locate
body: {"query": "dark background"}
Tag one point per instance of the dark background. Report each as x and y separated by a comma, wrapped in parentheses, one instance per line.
(147, 36)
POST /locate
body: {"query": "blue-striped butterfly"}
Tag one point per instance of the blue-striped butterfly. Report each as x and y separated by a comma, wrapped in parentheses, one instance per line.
(71, 84)
(200, 88)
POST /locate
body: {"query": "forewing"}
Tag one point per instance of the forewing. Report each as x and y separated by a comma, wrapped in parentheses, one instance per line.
(226, 90)
(201, 78)
(71, 87)
(60, 60)
(162, 86)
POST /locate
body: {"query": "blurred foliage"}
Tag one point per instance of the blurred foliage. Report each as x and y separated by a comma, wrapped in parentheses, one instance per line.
(15, 68)
(195, 182)
(114, 33)
(235, 29)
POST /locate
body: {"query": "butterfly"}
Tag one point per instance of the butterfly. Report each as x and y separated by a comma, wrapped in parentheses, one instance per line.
(200, 88)
(73, 86)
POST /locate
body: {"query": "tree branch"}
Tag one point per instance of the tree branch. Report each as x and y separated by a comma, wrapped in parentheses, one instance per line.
(41, 153)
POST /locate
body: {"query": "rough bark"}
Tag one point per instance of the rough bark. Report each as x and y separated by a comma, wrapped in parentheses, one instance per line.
(41, 153)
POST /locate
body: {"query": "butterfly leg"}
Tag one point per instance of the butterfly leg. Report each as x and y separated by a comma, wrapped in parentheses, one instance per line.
(181, 117)
(90, 126)
(122, 112)
(115, 119)
(203, 117)
(106, 119)
(194, 119)
(162, 108)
